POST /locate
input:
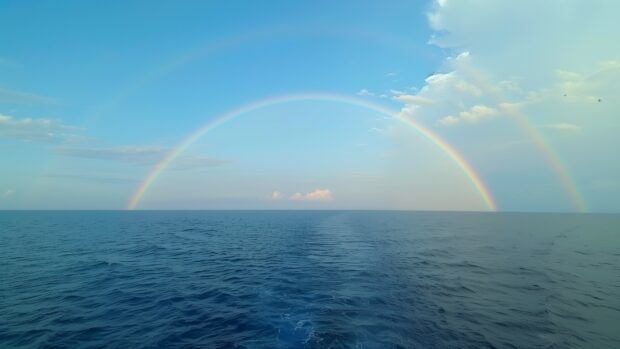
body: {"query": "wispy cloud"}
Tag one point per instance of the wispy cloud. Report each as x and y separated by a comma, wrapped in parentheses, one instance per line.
(71, 143)
(365, 93)
(139, 155)
(379, 130)
(135, 155)
(21, 97)
(7, 193)
(112, 179)
(275, 195)
(37, 130)
(563, 126)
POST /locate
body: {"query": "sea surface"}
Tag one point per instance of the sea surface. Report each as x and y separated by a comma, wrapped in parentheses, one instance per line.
(308, 279)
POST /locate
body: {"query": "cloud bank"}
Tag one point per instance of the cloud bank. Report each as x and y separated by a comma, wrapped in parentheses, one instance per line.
(554, 62)
(528, 80)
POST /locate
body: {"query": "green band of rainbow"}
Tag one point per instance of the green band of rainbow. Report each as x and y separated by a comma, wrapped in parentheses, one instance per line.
(446, 148)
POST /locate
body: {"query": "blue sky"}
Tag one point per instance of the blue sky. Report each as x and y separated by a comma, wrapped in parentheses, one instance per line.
(94, 94)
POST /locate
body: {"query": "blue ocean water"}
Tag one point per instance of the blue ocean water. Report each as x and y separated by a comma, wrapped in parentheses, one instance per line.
(308, 279)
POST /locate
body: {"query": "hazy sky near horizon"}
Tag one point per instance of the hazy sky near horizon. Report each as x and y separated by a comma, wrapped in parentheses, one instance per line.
(94, 95)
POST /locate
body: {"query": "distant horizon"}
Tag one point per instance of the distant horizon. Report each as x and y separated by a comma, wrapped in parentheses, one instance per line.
(305, 210)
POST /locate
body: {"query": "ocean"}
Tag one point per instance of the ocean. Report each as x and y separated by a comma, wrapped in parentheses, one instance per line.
(308, 279)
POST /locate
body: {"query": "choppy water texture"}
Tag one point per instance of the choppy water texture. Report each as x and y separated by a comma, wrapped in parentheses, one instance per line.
(309, 279)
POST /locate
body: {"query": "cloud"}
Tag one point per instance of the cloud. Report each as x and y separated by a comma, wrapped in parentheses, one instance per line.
(21, 97)
(147, 155)
(37, 130)
(91, 178)
(70, 144)
(449, 120)
(445, 94)
(563, 126)
(139, 155)
(7, 193)
(478, 113)
(572, 62)
(412, 99)
(54, 131)
(556, 32)
(316, 195)
(552, 65)
(365, 93)
(474, 115)
(275, 195)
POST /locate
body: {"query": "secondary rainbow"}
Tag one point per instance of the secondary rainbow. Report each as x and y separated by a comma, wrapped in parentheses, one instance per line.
(446, 148)
(551, 156)
(222, 45)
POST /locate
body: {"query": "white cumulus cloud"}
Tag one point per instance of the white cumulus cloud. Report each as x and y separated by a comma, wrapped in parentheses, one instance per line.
(474, 115)
(412, 99)
(315, 195)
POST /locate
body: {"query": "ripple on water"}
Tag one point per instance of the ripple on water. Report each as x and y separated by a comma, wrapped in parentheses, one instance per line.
(308, 280)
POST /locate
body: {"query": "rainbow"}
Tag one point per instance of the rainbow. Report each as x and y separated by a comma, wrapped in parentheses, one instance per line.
(552, 159)
(447, 149)
(555, 162)
(221, 45)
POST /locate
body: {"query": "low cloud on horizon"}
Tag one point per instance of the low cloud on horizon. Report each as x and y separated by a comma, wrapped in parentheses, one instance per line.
(315, 195)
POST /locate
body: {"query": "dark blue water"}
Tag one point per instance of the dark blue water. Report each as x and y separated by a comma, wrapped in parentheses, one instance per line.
(309, 279)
